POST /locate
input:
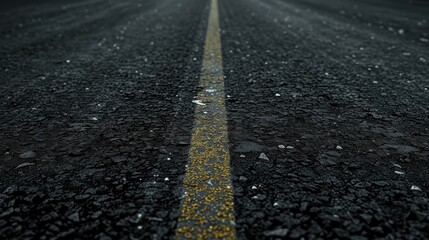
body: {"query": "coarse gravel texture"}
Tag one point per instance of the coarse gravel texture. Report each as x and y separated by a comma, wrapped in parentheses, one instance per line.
(335, 95)
(96, 112)
(327, 107)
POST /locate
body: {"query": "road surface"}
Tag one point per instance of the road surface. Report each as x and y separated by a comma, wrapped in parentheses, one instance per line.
(248, 119)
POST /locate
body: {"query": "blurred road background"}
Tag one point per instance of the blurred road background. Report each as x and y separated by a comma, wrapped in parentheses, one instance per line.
(327, 106)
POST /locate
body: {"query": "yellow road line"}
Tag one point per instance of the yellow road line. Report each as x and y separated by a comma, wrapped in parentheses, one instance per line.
(208, 206)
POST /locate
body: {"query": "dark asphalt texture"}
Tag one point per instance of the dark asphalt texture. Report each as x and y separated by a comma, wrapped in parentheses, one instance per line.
(96, 116)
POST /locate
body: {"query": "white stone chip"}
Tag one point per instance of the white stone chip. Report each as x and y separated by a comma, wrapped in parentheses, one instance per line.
(263, 156)
(199, 102)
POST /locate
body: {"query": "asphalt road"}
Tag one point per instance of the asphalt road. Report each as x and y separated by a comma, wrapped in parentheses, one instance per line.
(97, 112)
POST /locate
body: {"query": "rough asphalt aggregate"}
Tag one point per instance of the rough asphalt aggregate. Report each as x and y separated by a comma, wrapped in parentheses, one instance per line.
(327, 105)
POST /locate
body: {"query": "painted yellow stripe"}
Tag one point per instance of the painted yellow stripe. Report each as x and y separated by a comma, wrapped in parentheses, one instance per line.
(208, 206)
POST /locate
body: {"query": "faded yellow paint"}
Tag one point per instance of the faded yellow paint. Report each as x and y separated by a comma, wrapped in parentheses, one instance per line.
(208, 206)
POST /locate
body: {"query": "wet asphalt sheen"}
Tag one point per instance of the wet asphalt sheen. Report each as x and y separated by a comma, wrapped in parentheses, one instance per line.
(107, 109)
